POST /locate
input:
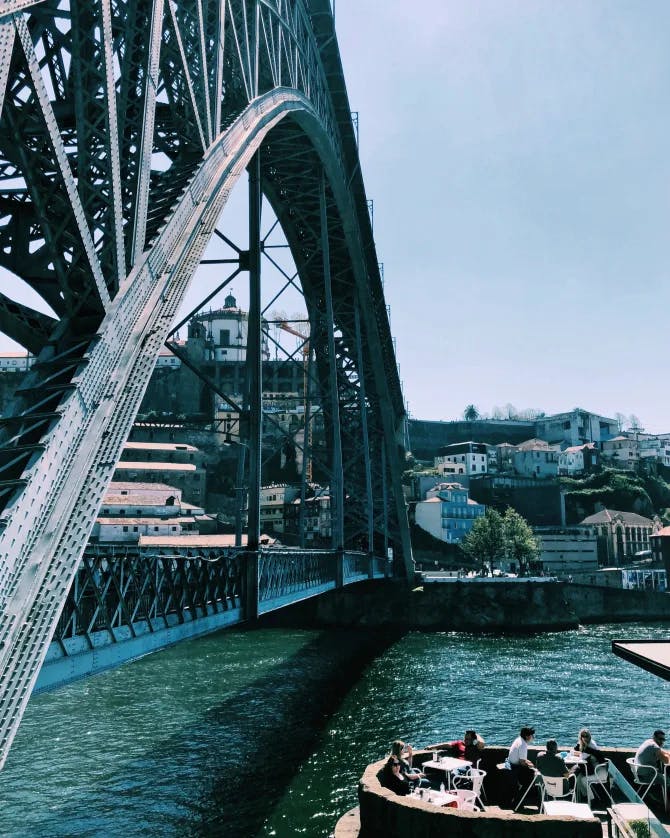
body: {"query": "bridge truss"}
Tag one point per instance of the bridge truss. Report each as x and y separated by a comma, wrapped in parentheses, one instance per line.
(124, 125)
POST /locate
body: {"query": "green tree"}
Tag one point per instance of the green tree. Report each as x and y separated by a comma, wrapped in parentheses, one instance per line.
(520, 544)
(471, 414)
(484, 544)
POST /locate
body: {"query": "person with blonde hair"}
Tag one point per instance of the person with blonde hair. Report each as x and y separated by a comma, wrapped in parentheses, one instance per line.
(404, 754)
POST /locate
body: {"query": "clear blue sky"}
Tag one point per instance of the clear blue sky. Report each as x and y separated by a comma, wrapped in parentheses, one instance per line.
(518, 155)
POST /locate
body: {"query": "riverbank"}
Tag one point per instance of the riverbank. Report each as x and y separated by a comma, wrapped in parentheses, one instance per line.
(477, 605)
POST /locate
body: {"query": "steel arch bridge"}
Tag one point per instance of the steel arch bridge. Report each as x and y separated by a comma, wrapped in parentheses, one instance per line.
(124, 125)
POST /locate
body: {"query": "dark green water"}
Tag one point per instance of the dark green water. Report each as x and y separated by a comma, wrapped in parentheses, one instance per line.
(266, 732)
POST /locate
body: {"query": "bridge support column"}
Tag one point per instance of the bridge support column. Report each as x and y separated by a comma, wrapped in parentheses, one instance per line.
(339, 569)
(366, 439)
(254, 357)
(336, 482)
(250, 584)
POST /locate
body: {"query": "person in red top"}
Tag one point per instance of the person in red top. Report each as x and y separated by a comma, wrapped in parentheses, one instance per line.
(469, 747)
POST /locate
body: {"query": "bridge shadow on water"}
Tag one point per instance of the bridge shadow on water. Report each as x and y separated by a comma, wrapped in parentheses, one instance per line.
(254, 742)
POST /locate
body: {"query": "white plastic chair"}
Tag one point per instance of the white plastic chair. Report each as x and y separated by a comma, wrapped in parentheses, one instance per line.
(554, 787)
(474, 777)
(600, 777)
(644, 776)
(466, 800)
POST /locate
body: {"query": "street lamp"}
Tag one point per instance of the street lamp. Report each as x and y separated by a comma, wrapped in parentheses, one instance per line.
(240, 489)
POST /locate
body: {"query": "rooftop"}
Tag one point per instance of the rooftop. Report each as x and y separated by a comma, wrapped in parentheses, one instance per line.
(149, 520)
(118, 486)
(222, 540)
(159, 446)
(608, 516)
(131, 465)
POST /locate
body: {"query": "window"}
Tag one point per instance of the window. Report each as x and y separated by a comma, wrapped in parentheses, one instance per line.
(122, 511)
(135, 529)
(125, 529)
(155, 529)
(224, 337)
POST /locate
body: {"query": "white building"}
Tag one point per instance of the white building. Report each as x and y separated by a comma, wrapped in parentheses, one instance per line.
(448, 513)
(467, 457)
(130, 510)
(536, 458)
(657, 449)
(621, 451)
(129, 530)
(577, 458)
(224, 332)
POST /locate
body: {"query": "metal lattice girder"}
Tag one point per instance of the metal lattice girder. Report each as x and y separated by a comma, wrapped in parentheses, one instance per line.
(124, 126)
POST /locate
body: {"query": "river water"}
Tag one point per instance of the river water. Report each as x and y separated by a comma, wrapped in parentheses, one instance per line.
(266, 732)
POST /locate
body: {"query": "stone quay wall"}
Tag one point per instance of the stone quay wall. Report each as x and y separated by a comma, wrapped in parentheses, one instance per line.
(597, 604)
(480, 605)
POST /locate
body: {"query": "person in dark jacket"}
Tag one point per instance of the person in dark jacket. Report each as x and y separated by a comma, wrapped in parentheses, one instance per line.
(391, 777)
(405, 753)
(594, 756)
(551, 764)
(586, 745)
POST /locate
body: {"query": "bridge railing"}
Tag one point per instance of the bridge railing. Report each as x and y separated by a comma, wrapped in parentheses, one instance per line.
(120, 591)
(287, 576)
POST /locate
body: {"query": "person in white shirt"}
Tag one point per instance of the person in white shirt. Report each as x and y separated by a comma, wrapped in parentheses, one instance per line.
(652, 753)
(522, 768)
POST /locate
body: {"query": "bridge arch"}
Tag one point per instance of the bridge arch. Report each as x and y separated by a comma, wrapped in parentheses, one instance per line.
(94, 94)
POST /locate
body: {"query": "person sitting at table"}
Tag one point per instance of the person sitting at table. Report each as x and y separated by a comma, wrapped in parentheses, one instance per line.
(587, 745)
(652, 753)
(523, 770)
(404, 753)
(551, 764)
(391, 777)
(468, 748)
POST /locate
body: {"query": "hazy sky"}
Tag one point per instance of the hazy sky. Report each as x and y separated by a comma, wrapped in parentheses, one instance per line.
(518, 155)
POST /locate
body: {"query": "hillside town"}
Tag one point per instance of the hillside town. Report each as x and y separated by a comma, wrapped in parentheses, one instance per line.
(579, 479)
(594, 493)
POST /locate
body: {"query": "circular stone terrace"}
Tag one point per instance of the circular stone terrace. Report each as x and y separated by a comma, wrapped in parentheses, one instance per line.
(381, 812)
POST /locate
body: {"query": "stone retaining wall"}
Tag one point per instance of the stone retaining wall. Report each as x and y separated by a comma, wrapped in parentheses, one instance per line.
(451, 606)
(481, 605)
